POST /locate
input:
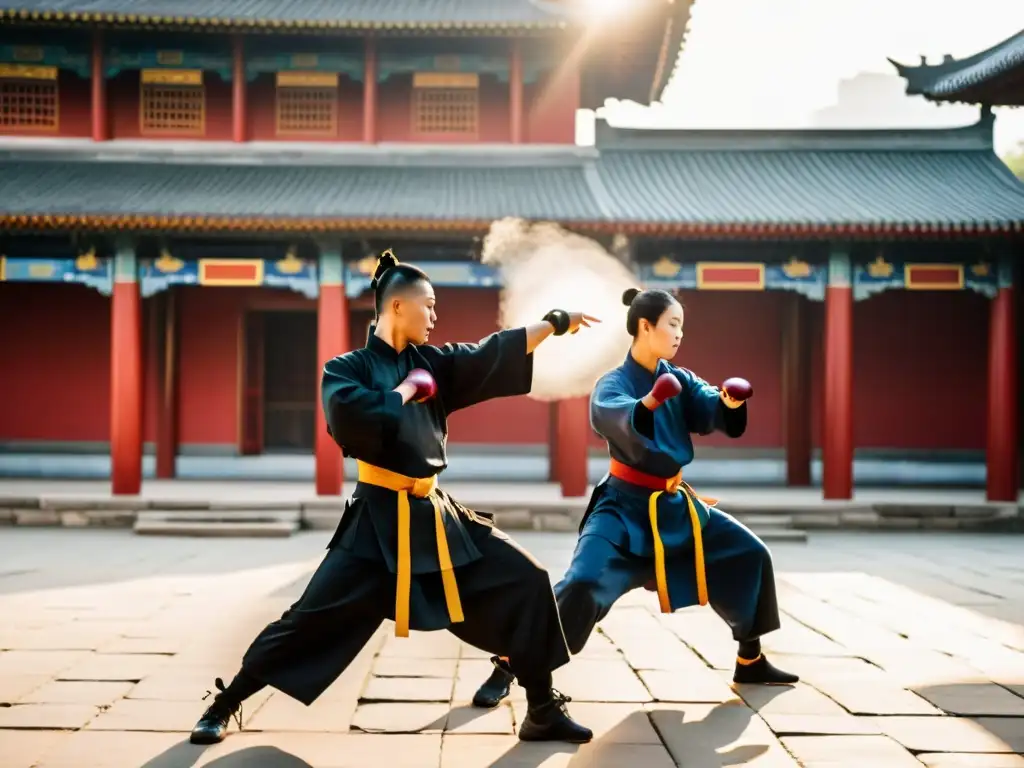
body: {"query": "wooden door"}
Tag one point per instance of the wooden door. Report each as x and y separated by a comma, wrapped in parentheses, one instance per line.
(252, 384)
(290, 374)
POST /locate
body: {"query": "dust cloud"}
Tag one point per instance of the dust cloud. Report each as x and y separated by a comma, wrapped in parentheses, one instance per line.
(545, 267)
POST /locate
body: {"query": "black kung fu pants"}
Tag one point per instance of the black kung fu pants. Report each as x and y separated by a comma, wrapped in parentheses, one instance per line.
(507, 601)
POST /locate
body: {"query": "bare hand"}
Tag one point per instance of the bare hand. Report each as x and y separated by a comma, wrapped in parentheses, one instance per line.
(580, 319)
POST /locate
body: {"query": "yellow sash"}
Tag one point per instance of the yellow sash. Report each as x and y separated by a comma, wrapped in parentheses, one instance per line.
(673, 486)
(662, 485)
(422, 488)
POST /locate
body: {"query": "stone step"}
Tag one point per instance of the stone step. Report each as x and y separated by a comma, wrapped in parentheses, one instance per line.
(769, 521)
(773, 534)
(213, 528)
(225, 505)
(221, 515)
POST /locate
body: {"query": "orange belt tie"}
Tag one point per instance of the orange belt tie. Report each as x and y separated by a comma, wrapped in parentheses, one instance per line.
(421, 488)
(662, 485)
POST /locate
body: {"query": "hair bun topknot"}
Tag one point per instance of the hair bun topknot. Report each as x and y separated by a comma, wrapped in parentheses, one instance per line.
(629, 294)
(386, 261)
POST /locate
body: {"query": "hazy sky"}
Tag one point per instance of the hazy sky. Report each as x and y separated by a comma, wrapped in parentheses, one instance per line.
(772, 63)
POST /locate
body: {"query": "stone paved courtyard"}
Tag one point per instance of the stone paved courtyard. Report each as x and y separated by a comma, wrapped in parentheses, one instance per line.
(911, 648)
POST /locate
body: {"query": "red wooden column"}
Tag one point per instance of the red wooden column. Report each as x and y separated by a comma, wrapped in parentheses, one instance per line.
(125, 376)
(1002, 451)
(515, 91)
(98, 99)
(553, 456)
(370, 91)
(796, 391)
(239, 111)
(837, 425)
(573, 429)
(332, 335)
(167, 386)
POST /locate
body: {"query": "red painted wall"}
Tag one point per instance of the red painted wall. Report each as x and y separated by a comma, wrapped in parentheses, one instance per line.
(920, 370)
(549, 107)
(150, 369)
(394, 113)
(124, 96)
(73, 109)
(211, 336)
(208, 369)
(925, 349)
(262, 106)
(56, 363)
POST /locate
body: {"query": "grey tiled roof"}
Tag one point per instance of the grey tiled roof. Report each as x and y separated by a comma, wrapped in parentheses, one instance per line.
(877, 178)
(945, 81)
(340, 12)
(820, 179)
(442, 191)
(812, 187)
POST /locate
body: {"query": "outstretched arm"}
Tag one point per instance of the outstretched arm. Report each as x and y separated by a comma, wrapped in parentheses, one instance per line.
(500, 365)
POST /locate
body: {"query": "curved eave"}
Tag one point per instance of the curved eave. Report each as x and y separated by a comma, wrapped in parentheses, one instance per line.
(214, 23)
(671, 51)
(636, 64)
(693, 230)
(972, 80)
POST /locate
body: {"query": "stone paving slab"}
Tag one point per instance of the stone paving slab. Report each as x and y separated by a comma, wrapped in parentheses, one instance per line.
(107, 669)
(849, 752)
(970, 760)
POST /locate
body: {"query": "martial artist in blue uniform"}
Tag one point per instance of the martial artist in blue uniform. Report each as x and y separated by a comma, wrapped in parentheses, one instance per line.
(644, 523)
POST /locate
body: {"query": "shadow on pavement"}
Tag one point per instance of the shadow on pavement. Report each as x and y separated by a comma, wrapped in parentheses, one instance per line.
(689, 738)
(259, 757)
(186, 755)
(181, 755)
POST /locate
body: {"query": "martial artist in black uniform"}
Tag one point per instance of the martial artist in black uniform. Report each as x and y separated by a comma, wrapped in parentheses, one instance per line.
(405, 549)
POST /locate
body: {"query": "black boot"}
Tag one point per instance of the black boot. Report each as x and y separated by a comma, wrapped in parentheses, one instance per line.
(213, 725)
(496, 687)
(760, 671)
(549, 720)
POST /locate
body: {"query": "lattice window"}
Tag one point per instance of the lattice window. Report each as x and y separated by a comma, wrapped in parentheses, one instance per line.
(172, 108)
(307, 104)
(29, 104)
(446, 103)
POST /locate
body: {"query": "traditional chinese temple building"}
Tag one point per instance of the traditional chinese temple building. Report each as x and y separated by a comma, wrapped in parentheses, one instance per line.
(992, 78)
(190, 208)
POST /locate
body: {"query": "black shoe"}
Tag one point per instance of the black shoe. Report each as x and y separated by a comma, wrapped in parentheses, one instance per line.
(213, 725)
(550, 721)
(761, 672)
(497, 686)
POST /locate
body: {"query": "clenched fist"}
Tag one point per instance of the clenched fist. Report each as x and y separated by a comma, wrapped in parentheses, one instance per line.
(421, 383)
(665, 387)
(736, 391)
